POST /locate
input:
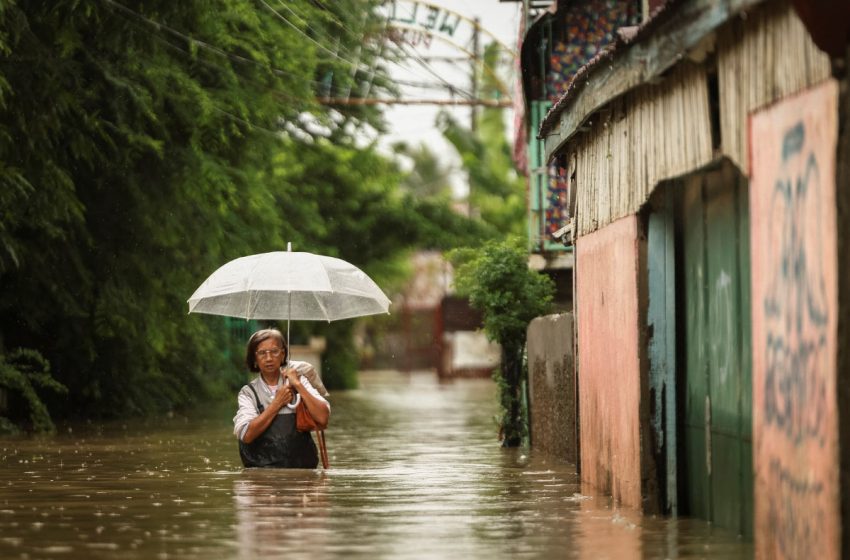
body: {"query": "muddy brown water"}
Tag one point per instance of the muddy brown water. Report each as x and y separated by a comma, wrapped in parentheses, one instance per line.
(416, 472)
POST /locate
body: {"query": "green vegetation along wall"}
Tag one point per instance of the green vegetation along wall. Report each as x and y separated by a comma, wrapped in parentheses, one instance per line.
(143, 144)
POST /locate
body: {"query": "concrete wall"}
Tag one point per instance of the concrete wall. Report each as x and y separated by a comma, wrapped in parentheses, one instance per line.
(795, 306)
(551, 376)
(608, 359)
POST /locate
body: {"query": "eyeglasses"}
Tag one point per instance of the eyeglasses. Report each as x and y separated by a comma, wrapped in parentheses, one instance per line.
(274, 353)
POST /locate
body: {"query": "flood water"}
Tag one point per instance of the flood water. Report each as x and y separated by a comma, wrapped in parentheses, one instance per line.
(416, 472)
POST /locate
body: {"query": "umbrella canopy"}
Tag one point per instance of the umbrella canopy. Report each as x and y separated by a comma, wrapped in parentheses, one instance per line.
(289, 285)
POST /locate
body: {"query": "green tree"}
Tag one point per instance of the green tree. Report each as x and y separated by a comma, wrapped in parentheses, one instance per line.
(144, 143)
(428, 178)
(497, 191)
(498, 282)
(24, 374)
(137, 149)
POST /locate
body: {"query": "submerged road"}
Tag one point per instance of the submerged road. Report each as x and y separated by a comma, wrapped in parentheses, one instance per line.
(416, 472)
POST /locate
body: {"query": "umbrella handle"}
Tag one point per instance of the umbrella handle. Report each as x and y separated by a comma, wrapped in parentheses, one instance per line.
(297, 400)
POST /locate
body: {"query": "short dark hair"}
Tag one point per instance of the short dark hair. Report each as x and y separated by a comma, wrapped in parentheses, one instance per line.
(255, 340)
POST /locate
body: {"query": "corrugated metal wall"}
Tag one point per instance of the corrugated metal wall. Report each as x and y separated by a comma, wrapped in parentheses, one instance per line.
(761, 59)
(662, 131)
(654, 133)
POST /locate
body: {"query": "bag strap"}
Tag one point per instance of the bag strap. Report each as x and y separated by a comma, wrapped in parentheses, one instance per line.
(323, 449)
(260, 407)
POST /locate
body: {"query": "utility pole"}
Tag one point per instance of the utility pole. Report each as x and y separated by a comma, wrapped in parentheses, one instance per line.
(473, 125)
(474, 61)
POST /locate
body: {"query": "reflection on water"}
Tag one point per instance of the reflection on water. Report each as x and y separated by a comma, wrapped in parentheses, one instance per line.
(416, 471)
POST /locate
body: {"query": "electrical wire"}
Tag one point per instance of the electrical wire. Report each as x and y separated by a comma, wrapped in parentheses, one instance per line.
(325, 35)
(243, 60)
(331, 16)
(422, 85)
(209, 47)
(220, 68)
(198, 42)
(354, 65)
(427, 67)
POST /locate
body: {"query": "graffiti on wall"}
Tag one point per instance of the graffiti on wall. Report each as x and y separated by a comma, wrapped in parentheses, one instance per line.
(794, 297)
(795, 310)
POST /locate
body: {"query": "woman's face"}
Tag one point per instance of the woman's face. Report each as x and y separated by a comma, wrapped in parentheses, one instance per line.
(269, 356)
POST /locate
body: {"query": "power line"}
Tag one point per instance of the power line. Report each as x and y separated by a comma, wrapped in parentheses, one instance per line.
(199, 43)
(423, 85)
(291, 11)
(469, 55)
(223, 69)
(427, 68)
(215, 107)
(235, 118)
(496, 103)
(323, 100)
(477, 25)
(355, 65)
(303, 18)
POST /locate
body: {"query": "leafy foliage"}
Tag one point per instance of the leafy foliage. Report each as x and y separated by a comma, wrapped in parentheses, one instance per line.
(498, 282)
(144, 143)
(25, 373)
(428, 178)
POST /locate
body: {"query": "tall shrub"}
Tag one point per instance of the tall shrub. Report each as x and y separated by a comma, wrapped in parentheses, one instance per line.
(497, 281)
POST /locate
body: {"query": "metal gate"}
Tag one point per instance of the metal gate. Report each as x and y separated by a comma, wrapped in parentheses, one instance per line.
(714, 303)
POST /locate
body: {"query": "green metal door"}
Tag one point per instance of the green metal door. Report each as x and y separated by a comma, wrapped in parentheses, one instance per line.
(661, 323)
(718, 483)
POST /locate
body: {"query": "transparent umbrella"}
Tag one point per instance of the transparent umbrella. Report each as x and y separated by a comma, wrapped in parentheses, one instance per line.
(289, 285)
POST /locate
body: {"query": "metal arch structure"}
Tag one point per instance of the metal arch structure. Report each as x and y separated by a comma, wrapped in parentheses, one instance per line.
(436, 21)
(469, 55)
(414, 23)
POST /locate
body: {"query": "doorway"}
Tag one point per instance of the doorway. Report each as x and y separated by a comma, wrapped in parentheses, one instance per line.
(700, 352)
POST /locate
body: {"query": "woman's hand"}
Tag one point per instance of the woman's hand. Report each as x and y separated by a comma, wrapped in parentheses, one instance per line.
(261, 423)
(282, 397)
(292, 376)
(317, 406)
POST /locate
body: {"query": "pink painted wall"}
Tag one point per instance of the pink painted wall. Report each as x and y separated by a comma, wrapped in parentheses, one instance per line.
(795, 302)
(608, 365)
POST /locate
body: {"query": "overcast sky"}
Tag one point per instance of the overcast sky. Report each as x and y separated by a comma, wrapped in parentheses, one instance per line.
(415, 124)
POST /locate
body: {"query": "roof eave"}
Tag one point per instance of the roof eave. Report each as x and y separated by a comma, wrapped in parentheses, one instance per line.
(659, 43)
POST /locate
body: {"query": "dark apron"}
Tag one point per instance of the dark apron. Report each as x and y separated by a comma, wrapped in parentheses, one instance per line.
(281, 445)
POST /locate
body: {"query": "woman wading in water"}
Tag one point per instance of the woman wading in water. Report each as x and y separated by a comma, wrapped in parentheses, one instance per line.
(265, 420)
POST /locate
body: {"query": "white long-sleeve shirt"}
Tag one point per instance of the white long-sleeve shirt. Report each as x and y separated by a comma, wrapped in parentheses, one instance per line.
(247, 403)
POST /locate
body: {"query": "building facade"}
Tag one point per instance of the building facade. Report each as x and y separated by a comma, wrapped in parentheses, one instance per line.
(705, 152)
